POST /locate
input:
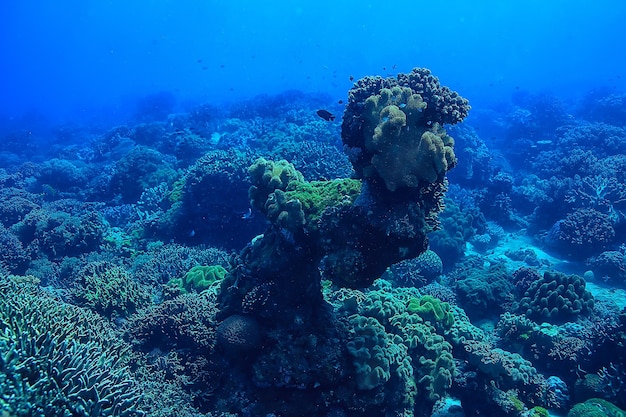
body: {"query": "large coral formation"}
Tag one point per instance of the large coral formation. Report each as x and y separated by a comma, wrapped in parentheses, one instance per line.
(393, 128)
(483, 291)
(405, 152)
(583, 231)
(139, 169)
(57, 232)
(596, 407)
(209, 202)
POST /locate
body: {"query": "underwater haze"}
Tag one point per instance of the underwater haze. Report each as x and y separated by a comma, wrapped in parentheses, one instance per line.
(66, 58)
(312, 209)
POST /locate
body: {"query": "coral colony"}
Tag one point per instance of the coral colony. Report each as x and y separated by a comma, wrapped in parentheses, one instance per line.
(268, 260)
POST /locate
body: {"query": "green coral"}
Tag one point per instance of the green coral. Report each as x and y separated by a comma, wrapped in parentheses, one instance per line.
(284, 211)
(370, 349)
(426, 353)
(288, 201)
(538, 412)
(596, 407)
(433, 310)
(269, 176)
(316, 196)
(406, 152)
(199, 278)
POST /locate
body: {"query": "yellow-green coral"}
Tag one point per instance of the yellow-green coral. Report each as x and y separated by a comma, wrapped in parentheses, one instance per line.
(316, 196)
(432, 309)
(406, 151)
(200, 278)
(268, 176)
(282, 194)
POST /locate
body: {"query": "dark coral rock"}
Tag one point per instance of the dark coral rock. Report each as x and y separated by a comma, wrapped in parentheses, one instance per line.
(417, 272)
(556, 298)
(239, 334)
(209, 203)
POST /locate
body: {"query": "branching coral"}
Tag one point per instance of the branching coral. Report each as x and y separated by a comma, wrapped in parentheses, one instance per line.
(56, 359)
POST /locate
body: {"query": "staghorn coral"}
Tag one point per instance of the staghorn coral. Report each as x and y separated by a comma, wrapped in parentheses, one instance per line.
(57, 359)
(108, 289)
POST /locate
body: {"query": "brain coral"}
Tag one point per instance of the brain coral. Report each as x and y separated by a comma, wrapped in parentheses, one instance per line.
(556, 297)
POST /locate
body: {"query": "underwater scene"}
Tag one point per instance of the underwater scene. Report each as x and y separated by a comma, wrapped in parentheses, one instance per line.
(324, 209)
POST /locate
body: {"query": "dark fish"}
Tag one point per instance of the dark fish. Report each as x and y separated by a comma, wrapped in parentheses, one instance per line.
(340, 101)
(351, 78)
(199, 61)
(326, 115)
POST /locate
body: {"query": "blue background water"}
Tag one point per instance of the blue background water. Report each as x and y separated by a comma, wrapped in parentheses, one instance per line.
(72, 59)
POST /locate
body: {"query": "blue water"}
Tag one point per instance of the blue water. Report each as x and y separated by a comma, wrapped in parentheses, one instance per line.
(68, 59)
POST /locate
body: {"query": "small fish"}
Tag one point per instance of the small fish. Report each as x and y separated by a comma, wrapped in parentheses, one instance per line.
(248, 215)
(351, 78)
(340, 101)
(326, 115)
